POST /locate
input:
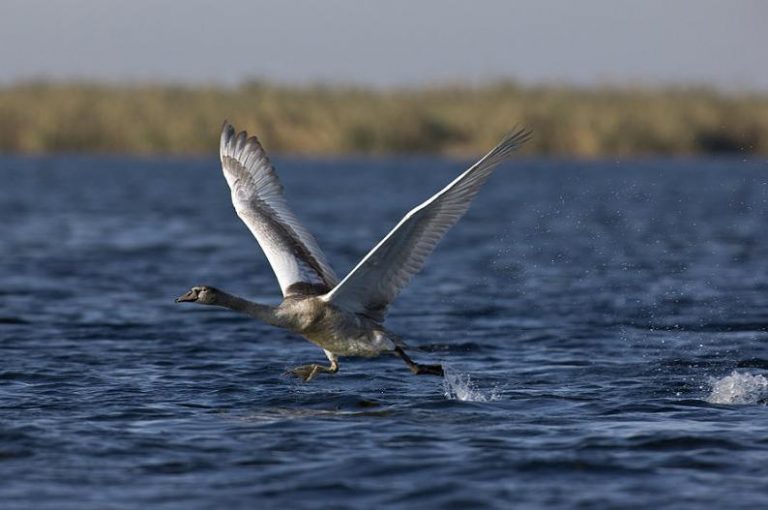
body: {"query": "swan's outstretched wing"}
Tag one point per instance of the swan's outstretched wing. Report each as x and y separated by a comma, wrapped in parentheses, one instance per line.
(375, 282)
(258, 198)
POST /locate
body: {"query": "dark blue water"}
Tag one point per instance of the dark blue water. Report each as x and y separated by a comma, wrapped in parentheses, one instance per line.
(604, 328)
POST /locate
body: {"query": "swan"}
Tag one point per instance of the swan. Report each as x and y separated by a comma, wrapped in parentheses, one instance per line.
(342, 317)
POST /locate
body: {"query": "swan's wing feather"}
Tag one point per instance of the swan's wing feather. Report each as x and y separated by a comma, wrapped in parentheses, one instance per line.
(375, 282)
(257, 194)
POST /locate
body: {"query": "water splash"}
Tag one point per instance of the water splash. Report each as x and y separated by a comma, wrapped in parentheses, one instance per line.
(738, 388)
(458, 386)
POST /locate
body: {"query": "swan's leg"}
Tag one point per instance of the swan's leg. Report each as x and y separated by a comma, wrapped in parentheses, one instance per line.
(308, 372)
(417, 368)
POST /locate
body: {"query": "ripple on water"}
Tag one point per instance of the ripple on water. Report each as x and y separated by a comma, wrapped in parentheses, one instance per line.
(578, 309)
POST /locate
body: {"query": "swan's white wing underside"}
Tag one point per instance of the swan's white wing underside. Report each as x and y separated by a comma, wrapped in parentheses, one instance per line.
(375, 282)
(257, 195)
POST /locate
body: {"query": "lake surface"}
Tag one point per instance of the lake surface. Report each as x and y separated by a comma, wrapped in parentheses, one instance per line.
(604, 327)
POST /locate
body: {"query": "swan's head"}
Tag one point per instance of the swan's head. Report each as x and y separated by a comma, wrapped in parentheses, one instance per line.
(203, 294)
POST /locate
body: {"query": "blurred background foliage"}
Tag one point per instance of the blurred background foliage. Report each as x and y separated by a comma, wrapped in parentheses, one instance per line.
(37, 117)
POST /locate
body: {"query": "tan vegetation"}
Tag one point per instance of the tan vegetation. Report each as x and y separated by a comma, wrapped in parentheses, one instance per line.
(45, 117)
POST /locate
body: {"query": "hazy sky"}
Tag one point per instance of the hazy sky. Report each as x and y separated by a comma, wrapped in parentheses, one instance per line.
(722, 43)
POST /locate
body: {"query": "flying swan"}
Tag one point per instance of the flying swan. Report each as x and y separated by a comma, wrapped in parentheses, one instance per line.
(344, 318)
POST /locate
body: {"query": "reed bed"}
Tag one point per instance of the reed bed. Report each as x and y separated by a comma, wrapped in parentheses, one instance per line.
(38, 117)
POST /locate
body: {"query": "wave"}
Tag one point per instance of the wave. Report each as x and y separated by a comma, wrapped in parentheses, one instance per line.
(458, 386)
(738, 388)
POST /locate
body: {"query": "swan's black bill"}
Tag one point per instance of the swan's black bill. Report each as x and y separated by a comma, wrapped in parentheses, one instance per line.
(188, 297)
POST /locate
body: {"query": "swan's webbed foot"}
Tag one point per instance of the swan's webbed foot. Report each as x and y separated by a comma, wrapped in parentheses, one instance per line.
(428, 370)
(308, 372)
(418, 369)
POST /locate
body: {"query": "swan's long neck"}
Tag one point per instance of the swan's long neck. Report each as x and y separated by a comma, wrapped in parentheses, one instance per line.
(264, 313)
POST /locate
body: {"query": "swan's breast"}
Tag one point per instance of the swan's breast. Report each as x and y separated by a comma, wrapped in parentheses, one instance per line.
(301, 315)
(343, 333)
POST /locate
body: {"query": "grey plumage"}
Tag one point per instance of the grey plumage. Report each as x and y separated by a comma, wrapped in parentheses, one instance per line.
(343, 318)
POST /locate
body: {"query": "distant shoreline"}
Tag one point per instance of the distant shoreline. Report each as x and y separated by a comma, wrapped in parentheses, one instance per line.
(43, 117)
